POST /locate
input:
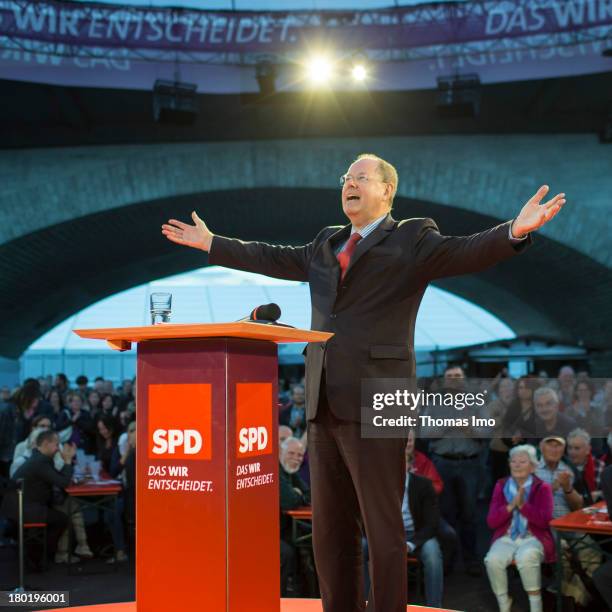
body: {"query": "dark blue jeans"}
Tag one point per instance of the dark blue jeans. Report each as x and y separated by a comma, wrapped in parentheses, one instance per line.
(430, 556)
(458, 500)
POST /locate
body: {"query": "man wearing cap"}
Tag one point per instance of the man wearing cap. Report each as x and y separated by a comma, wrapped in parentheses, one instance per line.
(559, 475)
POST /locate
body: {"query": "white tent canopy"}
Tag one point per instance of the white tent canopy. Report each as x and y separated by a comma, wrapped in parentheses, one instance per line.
(215, 294)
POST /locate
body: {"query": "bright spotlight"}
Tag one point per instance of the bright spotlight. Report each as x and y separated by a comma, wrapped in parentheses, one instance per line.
(359, 72)
(319, 70)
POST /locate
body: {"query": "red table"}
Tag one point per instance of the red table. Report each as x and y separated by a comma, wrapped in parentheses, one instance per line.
(586, 523)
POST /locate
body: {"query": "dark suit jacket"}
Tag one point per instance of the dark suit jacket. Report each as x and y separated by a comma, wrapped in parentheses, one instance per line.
(424, 508)
(290, 498)
(372, 312)
(39, 476)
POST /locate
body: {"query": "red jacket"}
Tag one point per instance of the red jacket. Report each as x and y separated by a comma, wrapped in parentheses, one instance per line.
(423, 466)
(538, 510)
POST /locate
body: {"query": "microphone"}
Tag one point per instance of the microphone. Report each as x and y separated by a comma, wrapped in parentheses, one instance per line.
(268, 313)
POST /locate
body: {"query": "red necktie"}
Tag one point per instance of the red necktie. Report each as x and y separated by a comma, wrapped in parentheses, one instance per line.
(344, 257)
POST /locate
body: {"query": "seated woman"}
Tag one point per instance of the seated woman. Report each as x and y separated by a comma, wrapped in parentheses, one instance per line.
(520, 512)
(106, 440)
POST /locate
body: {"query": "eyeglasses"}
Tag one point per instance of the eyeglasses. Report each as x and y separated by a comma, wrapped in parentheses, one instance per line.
(362, 179)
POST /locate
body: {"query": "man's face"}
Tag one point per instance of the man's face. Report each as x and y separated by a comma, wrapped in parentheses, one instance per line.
(49, 447)
(552, 451)
(546, 407)
(127, 386)
(454, 378)
(364, 196)
(292, 457)
(5, 394)
(578, 450)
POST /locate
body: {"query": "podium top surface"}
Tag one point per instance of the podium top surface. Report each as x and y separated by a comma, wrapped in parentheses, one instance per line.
(121, 338)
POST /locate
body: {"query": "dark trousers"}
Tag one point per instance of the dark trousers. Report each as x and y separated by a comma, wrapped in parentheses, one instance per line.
(57, 522)
(602, 577)
(287, 557)
(458, 500)
(357, 488)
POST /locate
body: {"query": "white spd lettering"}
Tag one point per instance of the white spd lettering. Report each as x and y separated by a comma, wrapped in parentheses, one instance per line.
(167, 441)
(252, 438)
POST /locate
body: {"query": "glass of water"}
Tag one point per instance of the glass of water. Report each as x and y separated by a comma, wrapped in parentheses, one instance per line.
(161, 308)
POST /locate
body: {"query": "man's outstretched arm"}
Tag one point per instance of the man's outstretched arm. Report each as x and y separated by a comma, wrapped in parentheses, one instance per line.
(440, 256)
(278, 261)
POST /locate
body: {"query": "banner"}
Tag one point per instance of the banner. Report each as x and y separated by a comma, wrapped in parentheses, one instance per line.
(130, 46)
(265, 32)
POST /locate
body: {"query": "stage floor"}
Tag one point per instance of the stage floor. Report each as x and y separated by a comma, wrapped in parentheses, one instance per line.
(287, 605)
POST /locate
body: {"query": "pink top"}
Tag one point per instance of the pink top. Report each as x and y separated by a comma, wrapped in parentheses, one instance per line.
(538, 510)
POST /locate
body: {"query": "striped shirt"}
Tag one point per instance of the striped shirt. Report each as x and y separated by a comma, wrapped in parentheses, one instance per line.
(543, 472)
(364, 233)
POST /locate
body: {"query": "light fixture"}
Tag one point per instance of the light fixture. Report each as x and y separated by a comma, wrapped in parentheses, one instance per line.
(174, 102)
(359, 72)
(265, 73)
(319, 70)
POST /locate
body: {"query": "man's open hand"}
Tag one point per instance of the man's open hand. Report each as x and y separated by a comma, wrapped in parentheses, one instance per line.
(534, 215)
(197, 236)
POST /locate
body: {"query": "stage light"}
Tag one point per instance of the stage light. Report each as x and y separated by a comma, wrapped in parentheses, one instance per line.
(265, 73)
(458, 95)
(174, 102)
(319, 70)
(359, 72)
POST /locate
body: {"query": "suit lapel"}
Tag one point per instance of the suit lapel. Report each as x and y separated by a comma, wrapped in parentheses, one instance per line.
(363, 246)
(329, 246)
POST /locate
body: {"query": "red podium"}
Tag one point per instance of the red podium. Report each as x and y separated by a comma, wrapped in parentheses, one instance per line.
(207, 464)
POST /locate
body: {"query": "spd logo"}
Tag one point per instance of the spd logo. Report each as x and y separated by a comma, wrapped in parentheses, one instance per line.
(253, 419)
(180, 422)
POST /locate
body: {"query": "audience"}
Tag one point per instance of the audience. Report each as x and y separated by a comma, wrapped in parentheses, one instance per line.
(520, 512)
(568, 417)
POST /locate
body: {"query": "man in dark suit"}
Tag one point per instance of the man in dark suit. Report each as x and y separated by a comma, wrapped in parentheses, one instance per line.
(39, 477)
(421, 516)
(366, 283)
